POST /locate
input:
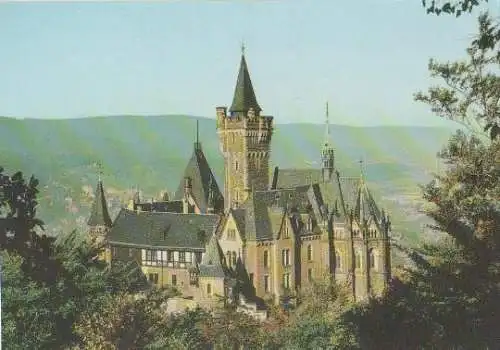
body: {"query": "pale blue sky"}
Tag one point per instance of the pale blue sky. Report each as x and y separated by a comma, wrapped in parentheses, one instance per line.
(66, 60)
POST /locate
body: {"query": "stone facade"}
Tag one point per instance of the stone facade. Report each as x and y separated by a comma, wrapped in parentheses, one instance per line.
(265, 237)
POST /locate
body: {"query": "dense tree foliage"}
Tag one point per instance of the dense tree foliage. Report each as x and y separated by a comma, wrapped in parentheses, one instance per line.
(58, 295)
(470, 89)
(449, 296)
(457, 7)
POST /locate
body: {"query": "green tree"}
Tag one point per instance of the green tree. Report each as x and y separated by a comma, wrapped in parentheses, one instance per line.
(126, 321)
(457, 7)
(470, 89)
(317, 321)
(449, 297)
(19, 226)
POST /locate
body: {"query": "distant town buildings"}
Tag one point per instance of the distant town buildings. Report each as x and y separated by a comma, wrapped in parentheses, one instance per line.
(266, 234)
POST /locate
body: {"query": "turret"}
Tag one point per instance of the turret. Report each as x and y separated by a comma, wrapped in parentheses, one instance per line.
(99, 221)
(245, 141)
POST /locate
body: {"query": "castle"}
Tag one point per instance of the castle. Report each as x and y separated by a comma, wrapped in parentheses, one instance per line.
(267, 235)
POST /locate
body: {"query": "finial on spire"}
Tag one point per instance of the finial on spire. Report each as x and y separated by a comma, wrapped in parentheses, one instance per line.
(242, 48)
(361, 169)
(327, 125)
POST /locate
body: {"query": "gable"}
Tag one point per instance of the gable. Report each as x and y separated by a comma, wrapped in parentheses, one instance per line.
(231, 232)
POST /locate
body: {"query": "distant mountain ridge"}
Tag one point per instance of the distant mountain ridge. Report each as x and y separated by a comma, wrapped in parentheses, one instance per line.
(150, 152)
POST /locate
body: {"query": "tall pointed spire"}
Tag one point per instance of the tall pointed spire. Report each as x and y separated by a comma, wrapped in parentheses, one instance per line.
(244, 95)
(327, 152)
(327, 127)
(99, 215)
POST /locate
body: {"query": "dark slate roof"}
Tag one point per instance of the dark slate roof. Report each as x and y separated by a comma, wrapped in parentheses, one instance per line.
(162, 229)
(366, 209)
(265, 210)
(164, 207)
(340, 192)
(239, 218)
(212, 263)
(244, 95)
(99, 215)
(288, 178)
(202, 181)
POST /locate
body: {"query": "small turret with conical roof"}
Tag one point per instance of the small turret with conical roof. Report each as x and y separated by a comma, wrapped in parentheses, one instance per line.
(99, 221)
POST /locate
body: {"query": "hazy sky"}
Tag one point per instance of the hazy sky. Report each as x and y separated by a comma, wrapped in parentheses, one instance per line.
(367, 58)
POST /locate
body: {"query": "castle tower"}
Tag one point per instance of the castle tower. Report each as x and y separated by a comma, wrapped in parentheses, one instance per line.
(99, 221)
(245, 141)
(371, 245)
(327, 153)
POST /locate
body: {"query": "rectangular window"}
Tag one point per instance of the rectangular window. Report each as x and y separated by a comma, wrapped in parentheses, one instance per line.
(130, 252)
(153, 278)
(266, 258)
(286, 281)
(285, 257)
(231, 234)
(182, 256)
(174, 280)
(309, 275)
(198, 257)
(266, 283)
(170, 256)
(114, 252)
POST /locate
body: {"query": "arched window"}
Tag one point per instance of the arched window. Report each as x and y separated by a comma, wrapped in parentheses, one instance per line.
(357, 261)
(234, 258)
(309, 253)
(266, 258)
(338, 260)
(372, 257)
(209, 289)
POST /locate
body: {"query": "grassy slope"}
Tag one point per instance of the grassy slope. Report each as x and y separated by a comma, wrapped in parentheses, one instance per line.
(151, 152)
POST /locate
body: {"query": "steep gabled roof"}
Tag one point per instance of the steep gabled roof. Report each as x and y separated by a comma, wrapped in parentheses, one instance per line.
(99, 215)
(202, 181)
(162, 229)
(244, 94)
(366, 209)
(264, 210)
(341, 192)
(212, 263)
